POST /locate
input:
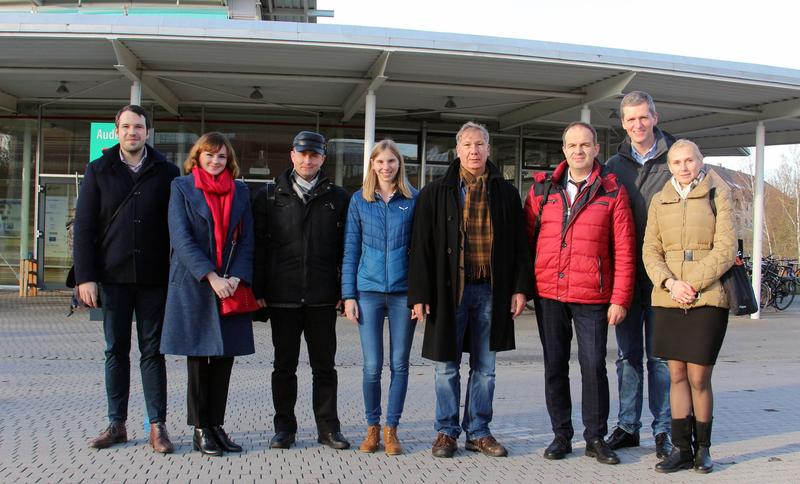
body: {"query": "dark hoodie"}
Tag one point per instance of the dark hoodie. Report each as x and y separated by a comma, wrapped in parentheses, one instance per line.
(642, 183)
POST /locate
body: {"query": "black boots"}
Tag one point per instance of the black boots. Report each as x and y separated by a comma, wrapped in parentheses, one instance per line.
(682, 456)
(702, 457)
(688, 452)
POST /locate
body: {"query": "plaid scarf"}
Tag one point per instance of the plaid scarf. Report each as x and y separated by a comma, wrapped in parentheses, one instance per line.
(476, 227)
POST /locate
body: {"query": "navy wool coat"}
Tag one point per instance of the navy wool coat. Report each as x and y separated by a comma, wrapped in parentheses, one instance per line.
(192, 324)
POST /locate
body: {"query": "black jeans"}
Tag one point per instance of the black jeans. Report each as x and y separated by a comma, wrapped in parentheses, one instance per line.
(207, 391)
(119, 301)
(318, 324)
(555, 330)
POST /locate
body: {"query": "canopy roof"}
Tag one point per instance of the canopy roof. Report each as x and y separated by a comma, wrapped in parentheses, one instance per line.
(313, 68)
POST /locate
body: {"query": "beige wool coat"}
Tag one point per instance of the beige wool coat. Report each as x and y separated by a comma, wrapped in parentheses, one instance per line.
(684, 240)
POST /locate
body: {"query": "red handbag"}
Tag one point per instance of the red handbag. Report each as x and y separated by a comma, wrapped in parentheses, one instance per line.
(242, 301)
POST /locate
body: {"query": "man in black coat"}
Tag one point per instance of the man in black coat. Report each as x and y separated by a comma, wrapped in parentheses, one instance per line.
(469, 277)
(299, 229)
(641, 165)
(121, 254)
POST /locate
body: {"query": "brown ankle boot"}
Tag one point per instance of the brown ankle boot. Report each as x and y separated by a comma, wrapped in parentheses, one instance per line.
(114, 434)
(390, 441)
(372, 441)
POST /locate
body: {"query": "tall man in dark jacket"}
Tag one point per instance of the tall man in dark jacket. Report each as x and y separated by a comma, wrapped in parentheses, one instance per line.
(584, 269)
(641, 165)
(469, 277)
(299, 229)
(122, 265)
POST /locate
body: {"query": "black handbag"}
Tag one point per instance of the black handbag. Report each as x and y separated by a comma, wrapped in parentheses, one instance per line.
(741, 297)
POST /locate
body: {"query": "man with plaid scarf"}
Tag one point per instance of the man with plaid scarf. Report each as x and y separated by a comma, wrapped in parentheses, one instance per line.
(469, 277)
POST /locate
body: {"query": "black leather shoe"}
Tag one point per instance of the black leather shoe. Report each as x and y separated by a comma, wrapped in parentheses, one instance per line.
(204, 441)
(224, 441)
(663, 445)
(558, 448)
(677, 460)
(702, 460)
(598, 449)
(282, 440)
(619, 439)
(334, 440)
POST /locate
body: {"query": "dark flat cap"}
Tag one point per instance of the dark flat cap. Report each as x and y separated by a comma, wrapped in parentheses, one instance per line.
(309, 141)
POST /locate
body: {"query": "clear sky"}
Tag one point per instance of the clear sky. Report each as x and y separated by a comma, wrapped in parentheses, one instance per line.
(756, 32)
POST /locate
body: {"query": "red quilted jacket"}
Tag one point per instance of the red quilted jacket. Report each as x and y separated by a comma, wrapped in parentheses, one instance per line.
(585, 253)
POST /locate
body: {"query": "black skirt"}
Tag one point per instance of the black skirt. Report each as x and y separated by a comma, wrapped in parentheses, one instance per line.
(694, 336)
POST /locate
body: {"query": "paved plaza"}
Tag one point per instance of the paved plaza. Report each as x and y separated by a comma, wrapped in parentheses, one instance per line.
(52, 400)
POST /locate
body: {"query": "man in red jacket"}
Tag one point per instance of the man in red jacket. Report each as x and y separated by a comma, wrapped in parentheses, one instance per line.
(581, 227)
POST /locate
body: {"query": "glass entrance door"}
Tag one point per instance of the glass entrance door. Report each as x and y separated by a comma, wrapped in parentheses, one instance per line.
(58, 195)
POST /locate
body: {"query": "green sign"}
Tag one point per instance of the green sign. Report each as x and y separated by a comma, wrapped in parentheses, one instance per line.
(102, 136)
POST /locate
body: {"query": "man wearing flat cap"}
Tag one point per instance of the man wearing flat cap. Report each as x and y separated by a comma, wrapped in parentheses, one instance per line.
(299, 228)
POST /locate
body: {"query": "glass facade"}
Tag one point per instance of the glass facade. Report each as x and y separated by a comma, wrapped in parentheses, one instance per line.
(262, 146)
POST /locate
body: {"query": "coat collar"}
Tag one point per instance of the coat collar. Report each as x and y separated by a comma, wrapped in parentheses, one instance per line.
(283, 184)
(110, 160)
(670, 195)
(663, 141)
(453, 177)
(197, 200)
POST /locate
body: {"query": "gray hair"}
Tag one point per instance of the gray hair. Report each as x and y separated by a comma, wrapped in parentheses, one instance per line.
(582, 124)
(635, 98)
(685, 143)
(472, 125)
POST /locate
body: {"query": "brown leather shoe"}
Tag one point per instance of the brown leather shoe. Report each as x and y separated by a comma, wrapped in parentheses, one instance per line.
(488, 446)
(444, 446)
(159, 438)
(372, 441)
(390, 441)
(115, 433)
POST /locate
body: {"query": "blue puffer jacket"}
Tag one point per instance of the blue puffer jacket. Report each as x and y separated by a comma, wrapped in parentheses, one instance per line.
(376, 241)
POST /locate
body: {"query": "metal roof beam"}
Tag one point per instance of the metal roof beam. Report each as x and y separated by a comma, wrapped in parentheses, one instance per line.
(253, 76)
(768, 112)
(8, 102)
(594, 93)
(705, 108)
(58, 71)
(483, 89)
(746, 139)
(131, 67)
(356, 99)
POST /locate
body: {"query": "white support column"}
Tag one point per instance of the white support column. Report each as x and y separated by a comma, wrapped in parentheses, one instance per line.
(136, 92)
(25, 205)
(586, 114)
(758, 213)
(369, 129)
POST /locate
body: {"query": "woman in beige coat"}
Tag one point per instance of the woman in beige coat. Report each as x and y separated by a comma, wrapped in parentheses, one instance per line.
(689, 244)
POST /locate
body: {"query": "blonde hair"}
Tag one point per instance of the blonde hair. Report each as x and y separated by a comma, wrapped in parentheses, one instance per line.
(212, 142)
(685, 143)
(371, 180)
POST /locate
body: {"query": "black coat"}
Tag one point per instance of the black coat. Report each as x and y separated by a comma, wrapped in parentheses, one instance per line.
(299, 247)
(433, 273)
(136, 247)
(642, 182)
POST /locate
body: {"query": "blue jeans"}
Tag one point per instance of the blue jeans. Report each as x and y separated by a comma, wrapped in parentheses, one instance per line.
(474, 314)
(635, 335)
(373, 308)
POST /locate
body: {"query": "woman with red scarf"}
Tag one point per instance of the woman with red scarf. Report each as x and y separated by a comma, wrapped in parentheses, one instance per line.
(211, 233)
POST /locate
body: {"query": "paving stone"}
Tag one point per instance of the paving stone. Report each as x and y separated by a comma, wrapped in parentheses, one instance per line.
(53, 400)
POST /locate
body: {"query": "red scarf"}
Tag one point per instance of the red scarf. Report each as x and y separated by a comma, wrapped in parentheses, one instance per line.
(219, 197)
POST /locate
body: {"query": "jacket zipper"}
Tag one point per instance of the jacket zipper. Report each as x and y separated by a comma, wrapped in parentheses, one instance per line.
(386, 244)
(600, 272)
